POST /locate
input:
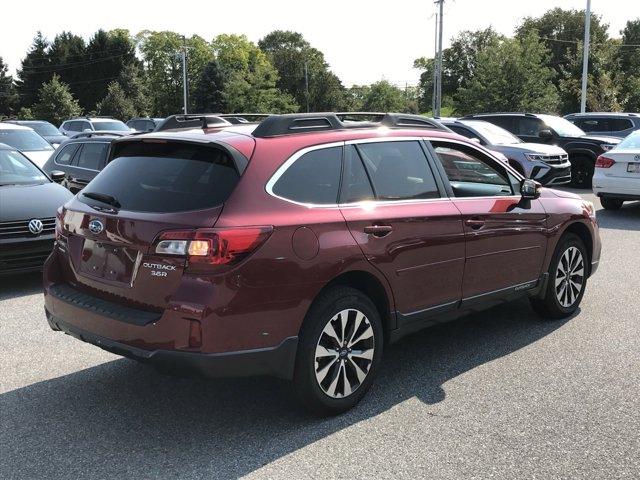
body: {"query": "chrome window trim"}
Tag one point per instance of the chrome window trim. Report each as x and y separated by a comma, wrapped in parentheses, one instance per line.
(361, 204)
(290, 161)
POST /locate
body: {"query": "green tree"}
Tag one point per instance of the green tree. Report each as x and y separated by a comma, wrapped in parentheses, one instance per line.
(459, 63)
(628, 60)
(250, 78)
(293, 56)
(68, 59)
(34, 71)
(116, 104)
(161, 53)
(510, 75)
(384, 97)
(55, 102)
(562, 33)
(8, 94)
(133, 81)
(107, 55)
(209, 94)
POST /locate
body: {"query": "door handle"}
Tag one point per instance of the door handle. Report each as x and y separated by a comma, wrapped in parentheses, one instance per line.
(475, 223)
(378, 230)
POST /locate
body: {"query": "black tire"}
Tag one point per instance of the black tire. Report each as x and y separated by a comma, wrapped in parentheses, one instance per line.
(581, 172)
(327, 306)
(609, 203)
(550, 307)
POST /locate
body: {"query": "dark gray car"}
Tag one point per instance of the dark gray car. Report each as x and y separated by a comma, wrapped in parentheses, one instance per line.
(548, 164)
(615, 124)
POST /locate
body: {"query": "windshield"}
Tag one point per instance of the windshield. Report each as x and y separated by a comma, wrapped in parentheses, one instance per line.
(110, 125)
(561, 126)
(24, 140)
(631, 142)
(44, 128)
(494, 134)
(15, 169)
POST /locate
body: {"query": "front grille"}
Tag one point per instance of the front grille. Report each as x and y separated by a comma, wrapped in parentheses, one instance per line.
(24, 256)
(20, 228)
(555, 159)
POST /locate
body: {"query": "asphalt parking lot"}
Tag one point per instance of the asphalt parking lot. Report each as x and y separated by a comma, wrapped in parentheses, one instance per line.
(496, 395)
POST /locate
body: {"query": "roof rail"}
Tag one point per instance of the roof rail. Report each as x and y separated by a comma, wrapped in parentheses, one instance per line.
(191, 121)
(100, 133)
(275, 125)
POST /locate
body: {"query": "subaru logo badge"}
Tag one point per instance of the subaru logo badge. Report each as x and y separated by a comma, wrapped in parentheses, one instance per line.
(96, 226)
(35, 226)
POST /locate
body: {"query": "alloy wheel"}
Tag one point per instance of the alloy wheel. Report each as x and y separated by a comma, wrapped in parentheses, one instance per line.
(569, 277)
(344, 353)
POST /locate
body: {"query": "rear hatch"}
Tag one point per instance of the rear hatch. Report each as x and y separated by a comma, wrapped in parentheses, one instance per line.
(149, 187)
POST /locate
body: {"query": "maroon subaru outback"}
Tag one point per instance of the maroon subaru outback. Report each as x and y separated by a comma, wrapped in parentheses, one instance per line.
(301, 246)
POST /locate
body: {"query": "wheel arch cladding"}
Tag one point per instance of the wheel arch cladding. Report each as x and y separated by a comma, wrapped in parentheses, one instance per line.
(584, 234)
(372, 287)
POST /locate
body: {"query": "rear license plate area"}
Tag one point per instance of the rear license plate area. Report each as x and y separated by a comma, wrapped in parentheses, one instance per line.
(107, 261)
(633, 168)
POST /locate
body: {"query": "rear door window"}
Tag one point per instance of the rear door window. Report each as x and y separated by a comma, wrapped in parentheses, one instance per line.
(92, 156)
(65, 155)
(313, 178)
(166, 178)
(398, 170)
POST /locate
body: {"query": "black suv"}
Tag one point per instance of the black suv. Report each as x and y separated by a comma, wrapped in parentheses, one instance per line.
(80, 158)
(583, 149)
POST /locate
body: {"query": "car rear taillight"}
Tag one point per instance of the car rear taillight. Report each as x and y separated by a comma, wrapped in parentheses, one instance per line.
(604, 162)
(215, 246)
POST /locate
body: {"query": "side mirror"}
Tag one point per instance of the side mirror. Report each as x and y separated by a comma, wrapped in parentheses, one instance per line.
(57, 176)
(545, 134)
(87, 130)
(530, 189)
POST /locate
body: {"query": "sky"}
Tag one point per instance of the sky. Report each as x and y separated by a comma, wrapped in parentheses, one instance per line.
(363, 41)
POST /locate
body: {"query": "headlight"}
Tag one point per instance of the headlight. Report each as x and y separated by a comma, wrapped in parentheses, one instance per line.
(607, 146)
(535, 156)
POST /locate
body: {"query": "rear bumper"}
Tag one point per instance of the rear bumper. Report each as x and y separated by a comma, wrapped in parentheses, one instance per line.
(618, 187)
(275, 361)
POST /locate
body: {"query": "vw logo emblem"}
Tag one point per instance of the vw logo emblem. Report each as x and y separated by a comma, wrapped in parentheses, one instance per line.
(96, 226)
(35, 226)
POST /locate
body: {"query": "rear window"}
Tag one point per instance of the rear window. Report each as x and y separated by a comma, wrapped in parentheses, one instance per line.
(166, 178)
(110, 125)
(25, 140)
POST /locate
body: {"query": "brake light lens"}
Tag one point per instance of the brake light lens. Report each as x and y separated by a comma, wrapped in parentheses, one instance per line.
(215, 246)
(604, 162)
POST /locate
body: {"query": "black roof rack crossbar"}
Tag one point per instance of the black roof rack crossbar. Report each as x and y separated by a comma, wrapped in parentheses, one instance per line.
(291, 123)
(191, 121)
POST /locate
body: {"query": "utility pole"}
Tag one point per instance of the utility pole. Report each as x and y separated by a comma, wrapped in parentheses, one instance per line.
(436, 112)
(435, 68)
(306, 83)
(585, 57)
(184, 74)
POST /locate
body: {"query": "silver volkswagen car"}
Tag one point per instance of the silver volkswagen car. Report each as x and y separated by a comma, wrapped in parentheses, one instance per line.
(548, 164)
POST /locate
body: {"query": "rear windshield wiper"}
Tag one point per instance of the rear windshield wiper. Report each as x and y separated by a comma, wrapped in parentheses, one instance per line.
(103, 197)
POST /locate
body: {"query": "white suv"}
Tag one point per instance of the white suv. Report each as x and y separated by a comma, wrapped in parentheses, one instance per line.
(103, 124)
(617, 173)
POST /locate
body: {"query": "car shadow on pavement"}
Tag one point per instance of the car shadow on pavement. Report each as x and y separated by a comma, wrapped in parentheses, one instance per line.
(20, 285)
(627, 218)
(121, 419)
